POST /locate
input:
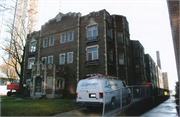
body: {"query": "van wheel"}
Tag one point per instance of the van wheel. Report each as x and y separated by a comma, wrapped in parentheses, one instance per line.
(89, 107)
(113, 104)
(9, 93)
(128, 100)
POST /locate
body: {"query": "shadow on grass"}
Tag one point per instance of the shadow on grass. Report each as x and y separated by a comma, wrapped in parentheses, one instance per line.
(42, 107)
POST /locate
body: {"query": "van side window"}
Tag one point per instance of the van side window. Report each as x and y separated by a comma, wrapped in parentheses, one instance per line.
(124, 84)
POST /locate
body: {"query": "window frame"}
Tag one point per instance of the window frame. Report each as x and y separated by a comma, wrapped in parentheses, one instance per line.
(121, 59)
(92, 32)
(34, 50)
(137, 68)
(49, 59)
(68, 57)
(127, 40)
(119, 37)
(43, 61)
(51, 44)
(109, 32)
(87, 52)
(110, 55)
(69, 36)
(58, 83)
(62, 38)
(44, 42)
(30, 65)
(60, 60)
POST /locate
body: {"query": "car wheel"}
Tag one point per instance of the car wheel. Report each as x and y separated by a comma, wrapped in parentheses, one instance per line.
(128, 100)
(113, 104)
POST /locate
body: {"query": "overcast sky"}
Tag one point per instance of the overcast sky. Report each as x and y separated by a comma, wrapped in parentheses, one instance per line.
(148, 22)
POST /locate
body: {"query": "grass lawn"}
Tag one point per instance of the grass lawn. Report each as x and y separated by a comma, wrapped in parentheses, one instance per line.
(4, 97)
(42, 107)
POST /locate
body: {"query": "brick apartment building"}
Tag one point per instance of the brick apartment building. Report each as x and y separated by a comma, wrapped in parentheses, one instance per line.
(151, 70)
(139, 62)
(70, 47)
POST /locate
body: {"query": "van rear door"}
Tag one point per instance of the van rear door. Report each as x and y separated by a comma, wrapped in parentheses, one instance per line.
(88, 90)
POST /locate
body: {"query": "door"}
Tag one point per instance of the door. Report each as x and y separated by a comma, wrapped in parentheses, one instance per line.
(38, 86)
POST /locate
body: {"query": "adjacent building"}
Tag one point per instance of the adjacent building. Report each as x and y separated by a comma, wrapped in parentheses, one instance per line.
(165, 80)
(138, 62)
(173, 7)
(150, 70)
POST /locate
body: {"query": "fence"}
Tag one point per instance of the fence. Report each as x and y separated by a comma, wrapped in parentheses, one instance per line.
(116, 100)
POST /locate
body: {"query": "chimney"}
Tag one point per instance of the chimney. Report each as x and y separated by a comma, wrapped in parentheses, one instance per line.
(158, 59)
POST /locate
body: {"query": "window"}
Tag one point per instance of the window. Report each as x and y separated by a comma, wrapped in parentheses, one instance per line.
(62, 58)
(51, 41)
(120, 38)
(92, 32)
(121, 59)
(92, 54)
(45, 42)
(63, 38)
(60, 83)
(70, 57)
(50, 59)
(33, 47)
(136, 53)
(31, 62)
(70, 36)
(127, 40)
(44, 60)
(137, 69)
(111, 55)
(109, 33)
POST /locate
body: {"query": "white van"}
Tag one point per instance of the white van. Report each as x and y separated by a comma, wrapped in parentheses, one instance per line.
(93, 91)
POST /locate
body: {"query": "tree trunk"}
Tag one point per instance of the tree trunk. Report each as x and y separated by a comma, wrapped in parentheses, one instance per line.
(20, 91)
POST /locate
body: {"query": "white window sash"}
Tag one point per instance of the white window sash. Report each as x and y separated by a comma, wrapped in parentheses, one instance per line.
(49, 57)
(68, 55)
(30, 63)
(60, 58)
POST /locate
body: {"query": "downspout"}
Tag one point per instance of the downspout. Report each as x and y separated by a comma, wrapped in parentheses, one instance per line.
(125, 54)
(78, 38)
(116, 47)
(105, 42)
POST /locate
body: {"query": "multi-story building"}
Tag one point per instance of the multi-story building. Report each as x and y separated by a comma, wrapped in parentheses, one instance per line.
(159, 77)
(165, 80)
(70, 47)
(150, 70)
(139, 62)
(159, 71)
(173, 7)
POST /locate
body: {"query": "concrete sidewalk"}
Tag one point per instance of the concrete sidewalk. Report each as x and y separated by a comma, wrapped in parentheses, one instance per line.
(165, 109)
